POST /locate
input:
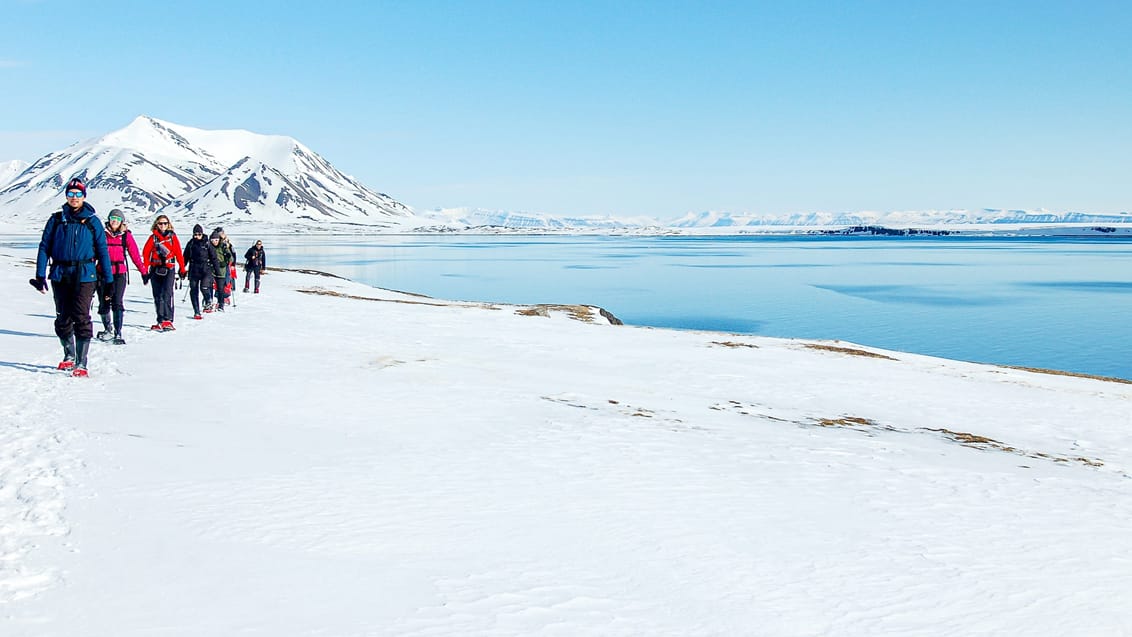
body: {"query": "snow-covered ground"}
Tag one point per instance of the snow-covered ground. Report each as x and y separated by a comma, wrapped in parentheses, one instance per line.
(333, 459)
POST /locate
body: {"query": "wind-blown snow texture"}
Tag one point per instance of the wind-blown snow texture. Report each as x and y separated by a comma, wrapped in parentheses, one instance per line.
(212, 177)
(332, 459)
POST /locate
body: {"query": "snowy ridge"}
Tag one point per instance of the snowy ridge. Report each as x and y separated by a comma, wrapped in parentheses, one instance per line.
(9, 170)
(151, 166)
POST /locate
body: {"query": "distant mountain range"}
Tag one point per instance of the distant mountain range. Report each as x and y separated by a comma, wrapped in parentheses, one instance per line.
(724, 222)
(235, 177)
(211, 177)
(896, 219)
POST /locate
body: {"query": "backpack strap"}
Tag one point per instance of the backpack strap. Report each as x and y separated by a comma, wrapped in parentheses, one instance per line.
(93, 240)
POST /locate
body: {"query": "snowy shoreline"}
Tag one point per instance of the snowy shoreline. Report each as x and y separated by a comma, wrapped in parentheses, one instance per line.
(332, 458)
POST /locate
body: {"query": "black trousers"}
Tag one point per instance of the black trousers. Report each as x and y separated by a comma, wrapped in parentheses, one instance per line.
(222, 293)
(248, 278)
(116, 302)
(200, 285)
(72, 308)
(163, 294)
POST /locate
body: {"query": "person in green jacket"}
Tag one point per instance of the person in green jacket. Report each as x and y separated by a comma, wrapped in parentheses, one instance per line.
(224, 259)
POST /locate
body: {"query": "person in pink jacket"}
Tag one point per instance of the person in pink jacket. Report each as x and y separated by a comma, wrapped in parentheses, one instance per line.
(120, 242)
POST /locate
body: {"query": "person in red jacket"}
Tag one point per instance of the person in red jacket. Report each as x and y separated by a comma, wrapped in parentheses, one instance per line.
(120, 242)
(162, 254)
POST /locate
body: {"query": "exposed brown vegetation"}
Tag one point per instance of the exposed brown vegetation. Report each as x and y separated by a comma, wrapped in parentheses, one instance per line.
(322, 292)
(846, 421)
(734, 344)
(306, 271)
(848, 350)
(1055, 372)
(577, 312)
(584, 313)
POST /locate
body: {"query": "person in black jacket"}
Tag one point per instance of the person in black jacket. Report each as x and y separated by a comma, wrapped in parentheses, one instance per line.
(73, 241)
(201, 261)
(254, 262)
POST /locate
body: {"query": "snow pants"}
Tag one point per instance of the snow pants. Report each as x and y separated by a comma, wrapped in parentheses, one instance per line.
(116, 302)
(163, 294)
(200, 285)
(72, 308)
(248, 278)
(222, 291)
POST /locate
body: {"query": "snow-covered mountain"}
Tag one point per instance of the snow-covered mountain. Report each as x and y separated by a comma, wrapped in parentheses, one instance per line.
(9, 170)
(210, 177)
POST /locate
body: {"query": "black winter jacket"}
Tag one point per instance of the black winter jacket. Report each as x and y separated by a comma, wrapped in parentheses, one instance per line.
(255, 259)
(201, 259)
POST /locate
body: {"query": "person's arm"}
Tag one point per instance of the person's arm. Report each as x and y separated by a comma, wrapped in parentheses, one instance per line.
(102, 253)
(45, 248)
(132, 248)
(147, 256)
(179, 256)
(213, 260)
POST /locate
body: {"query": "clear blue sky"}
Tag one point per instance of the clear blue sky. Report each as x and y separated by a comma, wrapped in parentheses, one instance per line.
(619, 107)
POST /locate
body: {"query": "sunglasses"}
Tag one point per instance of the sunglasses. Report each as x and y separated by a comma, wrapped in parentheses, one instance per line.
(75, 193)
(162, 223)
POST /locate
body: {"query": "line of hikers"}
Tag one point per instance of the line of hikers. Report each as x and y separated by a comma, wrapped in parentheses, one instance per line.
(86, 258)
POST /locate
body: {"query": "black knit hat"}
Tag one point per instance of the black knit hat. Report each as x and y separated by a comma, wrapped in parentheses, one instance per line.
(198, 229)
(76, 184)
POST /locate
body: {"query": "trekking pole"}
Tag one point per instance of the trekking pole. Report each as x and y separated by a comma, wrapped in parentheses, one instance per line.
(232, 279)
(186, 296)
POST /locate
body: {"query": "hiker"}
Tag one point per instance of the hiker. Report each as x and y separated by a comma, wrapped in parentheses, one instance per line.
(225, 258)
(120, 243)
(201, 261)
(73, 241)
(233, 275)
(254, 262)
(162, 253)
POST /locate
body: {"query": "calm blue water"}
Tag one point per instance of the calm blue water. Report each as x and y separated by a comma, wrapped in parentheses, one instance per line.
(1057, 303)
(1051, 302)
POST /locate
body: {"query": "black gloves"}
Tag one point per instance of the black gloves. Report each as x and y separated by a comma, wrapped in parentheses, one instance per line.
(107, 290)
(145, 279)
(39, 283)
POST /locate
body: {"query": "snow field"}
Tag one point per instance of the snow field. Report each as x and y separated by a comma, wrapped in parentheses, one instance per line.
(311, 464)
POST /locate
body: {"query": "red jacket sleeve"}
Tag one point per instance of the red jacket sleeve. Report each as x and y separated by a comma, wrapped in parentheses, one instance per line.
(132, 247)
(147, 251)
(177, 254)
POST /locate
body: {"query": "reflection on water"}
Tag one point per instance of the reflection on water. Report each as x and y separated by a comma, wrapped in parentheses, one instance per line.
(1049, 302)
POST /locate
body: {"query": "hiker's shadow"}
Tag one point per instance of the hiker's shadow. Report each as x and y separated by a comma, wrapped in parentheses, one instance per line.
(28, 367)
(15, 333)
